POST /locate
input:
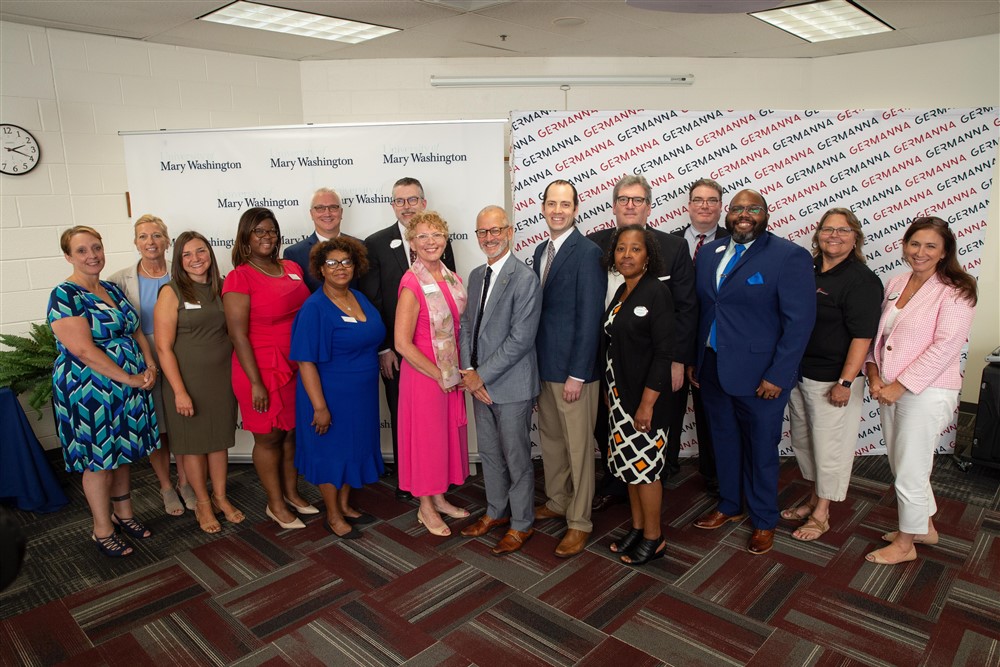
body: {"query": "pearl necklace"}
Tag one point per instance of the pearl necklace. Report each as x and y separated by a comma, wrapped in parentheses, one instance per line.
(150, 275)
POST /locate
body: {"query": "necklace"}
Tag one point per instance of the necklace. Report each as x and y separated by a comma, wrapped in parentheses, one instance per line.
(334, 298)
(150, 275)
(265, 271)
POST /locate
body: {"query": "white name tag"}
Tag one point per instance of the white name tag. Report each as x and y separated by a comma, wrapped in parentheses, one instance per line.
(721, 248)
(395, 243)
(191, 306)
(102, 306)
(294, 277)
(348, 318)
(430, 289)
(641, 311)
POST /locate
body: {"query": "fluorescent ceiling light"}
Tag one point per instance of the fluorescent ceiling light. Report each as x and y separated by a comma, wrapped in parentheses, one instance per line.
(276, 19)
(571, 80)
(823, 21)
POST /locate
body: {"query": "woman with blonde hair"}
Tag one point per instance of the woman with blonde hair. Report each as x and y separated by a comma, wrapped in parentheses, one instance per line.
(141, 283)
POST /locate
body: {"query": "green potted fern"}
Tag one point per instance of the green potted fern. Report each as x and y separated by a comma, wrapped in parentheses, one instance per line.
(27, 365)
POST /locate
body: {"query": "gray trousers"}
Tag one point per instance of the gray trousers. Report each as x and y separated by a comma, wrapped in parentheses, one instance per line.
(503, 436)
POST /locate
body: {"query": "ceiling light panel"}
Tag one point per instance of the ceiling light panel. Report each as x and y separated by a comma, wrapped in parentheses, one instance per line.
(276, 19)
(823, 21)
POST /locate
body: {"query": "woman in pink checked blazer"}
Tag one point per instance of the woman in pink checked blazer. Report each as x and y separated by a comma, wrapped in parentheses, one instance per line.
(913, 372)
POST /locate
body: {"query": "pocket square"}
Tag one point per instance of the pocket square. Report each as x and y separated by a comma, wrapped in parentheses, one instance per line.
(755, 279)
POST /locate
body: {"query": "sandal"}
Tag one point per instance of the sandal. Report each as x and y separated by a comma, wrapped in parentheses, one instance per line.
(211, 525)
(188, 495)
(132, 526)
(811, 530)
(792, 513)
(646, 551)
(171, 502)
(235, 516)
(443, 531)
(112, 545)
(459, 512)
(877, 557)
(627, 543)
(929, 539)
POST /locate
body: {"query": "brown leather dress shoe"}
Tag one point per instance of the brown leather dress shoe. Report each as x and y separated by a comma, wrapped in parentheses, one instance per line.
(761, 541)
(512, 541)
(573, 542)
(483, 525)
(716, 519)
(543, 512)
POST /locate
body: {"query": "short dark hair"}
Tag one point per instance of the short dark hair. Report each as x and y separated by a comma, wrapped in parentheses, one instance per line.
(576, 197)
(705, 182)
(353, 247)
(407, 180)
(654, 260)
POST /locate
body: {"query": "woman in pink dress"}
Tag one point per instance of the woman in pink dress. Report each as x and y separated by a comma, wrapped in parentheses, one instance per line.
(261, 296)
(433, 444)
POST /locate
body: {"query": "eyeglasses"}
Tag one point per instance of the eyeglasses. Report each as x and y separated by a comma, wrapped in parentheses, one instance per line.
(402, 201)
(323, 208)
(424, 238)
(347, 263)
(260, 232)
(698, 202)
(752, 210)
(492, 231)
(636, 201)
(835, 231)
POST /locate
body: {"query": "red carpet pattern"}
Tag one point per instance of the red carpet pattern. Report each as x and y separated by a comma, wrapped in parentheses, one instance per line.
(258, 595)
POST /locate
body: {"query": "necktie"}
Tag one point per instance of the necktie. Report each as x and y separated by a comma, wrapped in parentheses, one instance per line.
(725, 272)
(550, 255)
(701, 242)
(413, 256)
(479, 317)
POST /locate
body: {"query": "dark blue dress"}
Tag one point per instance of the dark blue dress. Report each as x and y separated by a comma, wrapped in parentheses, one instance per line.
(101, 424)
(346, 357)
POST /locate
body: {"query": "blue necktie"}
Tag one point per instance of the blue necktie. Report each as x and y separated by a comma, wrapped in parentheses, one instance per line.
(725, 272)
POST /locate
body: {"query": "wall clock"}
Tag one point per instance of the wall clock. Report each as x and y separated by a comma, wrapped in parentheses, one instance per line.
(19, 150)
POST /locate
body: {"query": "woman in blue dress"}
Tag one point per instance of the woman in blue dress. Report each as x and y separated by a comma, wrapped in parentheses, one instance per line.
(100, 389)
(335, 340)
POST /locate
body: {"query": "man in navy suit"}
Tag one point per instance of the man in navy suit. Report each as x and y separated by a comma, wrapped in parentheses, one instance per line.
(573, 286)
(758, 306)
(327, 214)
(704, 211)
(632, 199)
(388, 260)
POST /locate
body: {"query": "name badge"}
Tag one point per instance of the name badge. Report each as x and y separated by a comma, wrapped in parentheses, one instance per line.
(721, 248)
(191, 306)
(348, 318)
(430, 289)
(102, 306)
(294, 277)
(395, 243)
(641, 311)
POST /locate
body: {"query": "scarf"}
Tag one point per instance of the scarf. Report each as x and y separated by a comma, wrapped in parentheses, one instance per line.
(442, 324)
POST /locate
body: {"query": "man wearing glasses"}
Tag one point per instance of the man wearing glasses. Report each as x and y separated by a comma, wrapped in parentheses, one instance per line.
(501, 371)
(704, 211)
(758, 305)
(632, 198)
(327, 215)
(388, 259)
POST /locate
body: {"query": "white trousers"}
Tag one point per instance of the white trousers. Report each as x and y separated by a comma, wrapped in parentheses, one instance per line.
(824, 436)
(912, 429)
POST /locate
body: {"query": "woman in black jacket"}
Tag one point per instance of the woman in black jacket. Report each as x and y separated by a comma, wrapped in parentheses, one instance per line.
(638, 340)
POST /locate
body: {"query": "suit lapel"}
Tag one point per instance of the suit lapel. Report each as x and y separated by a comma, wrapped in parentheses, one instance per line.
(748, 255)
(562, 255)
(500, 283)
(401, 253)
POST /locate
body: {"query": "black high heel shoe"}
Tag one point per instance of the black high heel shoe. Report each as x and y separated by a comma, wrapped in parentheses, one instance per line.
(646, 551)
(626, 543)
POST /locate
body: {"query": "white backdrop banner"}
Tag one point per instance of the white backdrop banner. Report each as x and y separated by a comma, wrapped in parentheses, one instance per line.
(204, 179)
(888, 166)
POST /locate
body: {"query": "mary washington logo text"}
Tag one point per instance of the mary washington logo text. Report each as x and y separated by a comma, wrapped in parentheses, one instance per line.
(195, 164)
(447, 158)
(333, 163)
(250, 202)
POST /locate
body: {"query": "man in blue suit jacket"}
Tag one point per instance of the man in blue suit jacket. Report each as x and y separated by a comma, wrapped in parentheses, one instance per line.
(573, 286)
(758, 306)
(327, 214)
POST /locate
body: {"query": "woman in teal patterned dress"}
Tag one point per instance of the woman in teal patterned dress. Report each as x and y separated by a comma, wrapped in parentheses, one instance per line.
(100, 389)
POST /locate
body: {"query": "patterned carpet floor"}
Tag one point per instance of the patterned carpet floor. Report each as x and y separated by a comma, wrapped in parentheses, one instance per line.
(258, 595)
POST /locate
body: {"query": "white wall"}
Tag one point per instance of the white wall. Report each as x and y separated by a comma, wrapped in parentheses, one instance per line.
(76, 91)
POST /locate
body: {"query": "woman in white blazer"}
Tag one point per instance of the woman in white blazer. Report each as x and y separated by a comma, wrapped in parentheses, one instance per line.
(141, 283)
(913, 372)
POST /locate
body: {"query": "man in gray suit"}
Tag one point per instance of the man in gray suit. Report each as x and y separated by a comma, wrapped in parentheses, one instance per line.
(501, 371)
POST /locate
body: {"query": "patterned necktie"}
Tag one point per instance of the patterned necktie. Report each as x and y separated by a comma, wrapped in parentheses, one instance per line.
(701, 242)
(479, 317)
(725, 272)
(550, 256)
(413, 256)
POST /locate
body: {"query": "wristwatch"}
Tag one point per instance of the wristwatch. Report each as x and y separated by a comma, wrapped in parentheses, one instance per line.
(844, 383)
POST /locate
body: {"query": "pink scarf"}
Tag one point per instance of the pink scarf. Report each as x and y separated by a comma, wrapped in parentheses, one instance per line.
(442, 324)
